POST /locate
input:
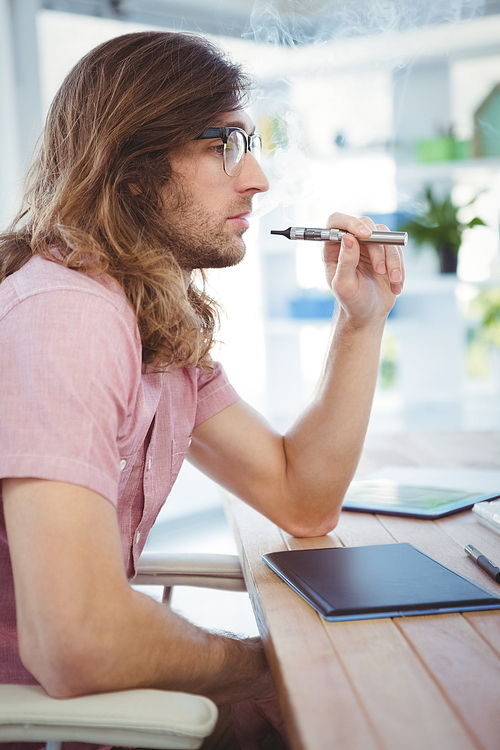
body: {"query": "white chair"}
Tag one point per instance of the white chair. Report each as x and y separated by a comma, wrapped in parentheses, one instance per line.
(203, 570)
(132, 718)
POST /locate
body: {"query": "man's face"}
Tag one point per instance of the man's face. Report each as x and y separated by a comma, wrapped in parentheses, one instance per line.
(205, 229)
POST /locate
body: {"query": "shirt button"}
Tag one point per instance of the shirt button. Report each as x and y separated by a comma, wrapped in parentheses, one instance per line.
(123, 463)
(138, 537)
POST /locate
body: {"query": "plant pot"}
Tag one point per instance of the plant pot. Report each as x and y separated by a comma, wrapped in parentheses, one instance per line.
(436, 149)
(448, 260)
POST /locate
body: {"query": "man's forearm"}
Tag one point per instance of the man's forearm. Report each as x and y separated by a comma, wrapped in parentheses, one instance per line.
(186, 657)
(141, 643)
(83, 629)
(324, 444)
(299, 480)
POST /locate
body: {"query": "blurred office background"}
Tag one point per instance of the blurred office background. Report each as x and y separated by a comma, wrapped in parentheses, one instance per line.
(363, 106)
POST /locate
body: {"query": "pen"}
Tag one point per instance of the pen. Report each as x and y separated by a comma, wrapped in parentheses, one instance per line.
(335, 235)
(483, 562)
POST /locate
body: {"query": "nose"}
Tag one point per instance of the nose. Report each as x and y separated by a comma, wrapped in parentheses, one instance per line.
(252, 177)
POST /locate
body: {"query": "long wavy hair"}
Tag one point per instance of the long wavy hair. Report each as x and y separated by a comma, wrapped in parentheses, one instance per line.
(118, 116)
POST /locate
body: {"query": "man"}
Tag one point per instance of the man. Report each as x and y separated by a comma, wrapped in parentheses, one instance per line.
(146, 174)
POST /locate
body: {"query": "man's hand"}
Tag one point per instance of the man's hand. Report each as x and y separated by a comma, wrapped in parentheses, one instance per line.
(365, 277)
(255, 719)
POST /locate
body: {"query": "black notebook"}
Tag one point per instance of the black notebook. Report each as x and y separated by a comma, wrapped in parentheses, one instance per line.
(383, 580)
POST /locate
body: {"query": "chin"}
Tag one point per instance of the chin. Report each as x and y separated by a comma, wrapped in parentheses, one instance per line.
(240, 253)
(228, 261)
(232, 257)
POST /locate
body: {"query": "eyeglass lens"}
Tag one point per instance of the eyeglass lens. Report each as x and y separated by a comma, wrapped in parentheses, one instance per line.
(235, 149)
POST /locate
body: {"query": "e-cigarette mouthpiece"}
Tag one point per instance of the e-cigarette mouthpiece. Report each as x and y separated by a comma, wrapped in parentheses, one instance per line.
(335, 235)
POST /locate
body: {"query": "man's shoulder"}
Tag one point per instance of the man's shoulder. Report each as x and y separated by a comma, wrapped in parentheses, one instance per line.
(40, 276)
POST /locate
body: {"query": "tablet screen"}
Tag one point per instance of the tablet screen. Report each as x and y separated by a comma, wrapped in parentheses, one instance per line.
(394, 498)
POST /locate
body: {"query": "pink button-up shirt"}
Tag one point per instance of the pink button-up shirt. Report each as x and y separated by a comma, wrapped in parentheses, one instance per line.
(77, 407)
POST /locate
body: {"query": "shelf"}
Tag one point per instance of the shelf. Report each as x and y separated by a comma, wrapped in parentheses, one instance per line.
(432, 170)
(279, 326)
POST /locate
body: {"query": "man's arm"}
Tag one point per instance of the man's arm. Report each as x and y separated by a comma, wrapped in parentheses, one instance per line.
(83, 629)
(299, 480)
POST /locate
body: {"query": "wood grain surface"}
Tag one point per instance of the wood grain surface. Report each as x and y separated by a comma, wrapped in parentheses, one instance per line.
(410, 683)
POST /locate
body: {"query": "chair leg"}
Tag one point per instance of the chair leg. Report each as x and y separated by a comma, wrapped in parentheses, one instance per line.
(54, 745)
(167, 594)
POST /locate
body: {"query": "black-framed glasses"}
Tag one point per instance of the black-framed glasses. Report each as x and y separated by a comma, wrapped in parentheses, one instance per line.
(236, 143)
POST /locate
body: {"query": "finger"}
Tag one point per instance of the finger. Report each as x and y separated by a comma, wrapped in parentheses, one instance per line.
(393, 262)
(376, 251)
(348, 260)
(386, 258)
(368, 221)
(397, 286)
(358, 227)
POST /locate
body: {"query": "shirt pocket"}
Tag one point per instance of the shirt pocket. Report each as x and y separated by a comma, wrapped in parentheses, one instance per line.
(180, 447)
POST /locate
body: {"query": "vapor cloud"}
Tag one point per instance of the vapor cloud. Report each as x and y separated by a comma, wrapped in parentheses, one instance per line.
(295, 22)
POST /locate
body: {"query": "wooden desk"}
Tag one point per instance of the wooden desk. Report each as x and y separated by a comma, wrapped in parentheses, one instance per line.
(416, 683)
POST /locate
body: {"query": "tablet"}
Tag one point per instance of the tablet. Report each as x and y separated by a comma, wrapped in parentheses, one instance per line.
(394, 498)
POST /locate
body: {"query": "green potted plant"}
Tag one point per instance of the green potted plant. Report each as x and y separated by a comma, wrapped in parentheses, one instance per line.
(487, 306)
(485, 337)
(438, 225)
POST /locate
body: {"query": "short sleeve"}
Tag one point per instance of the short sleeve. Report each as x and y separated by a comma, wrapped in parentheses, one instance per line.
(215, 393)
(69, 374)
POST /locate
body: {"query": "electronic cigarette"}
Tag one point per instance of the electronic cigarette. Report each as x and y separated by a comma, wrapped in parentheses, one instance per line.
(335, 235)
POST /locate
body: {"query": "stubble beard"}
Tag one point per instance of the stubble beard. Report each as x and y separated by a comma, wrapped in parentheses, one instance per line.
(197, 240)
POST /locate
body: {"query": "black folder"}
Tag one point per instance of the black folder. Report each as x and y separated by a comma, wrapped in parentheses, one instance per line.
(383, 580)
